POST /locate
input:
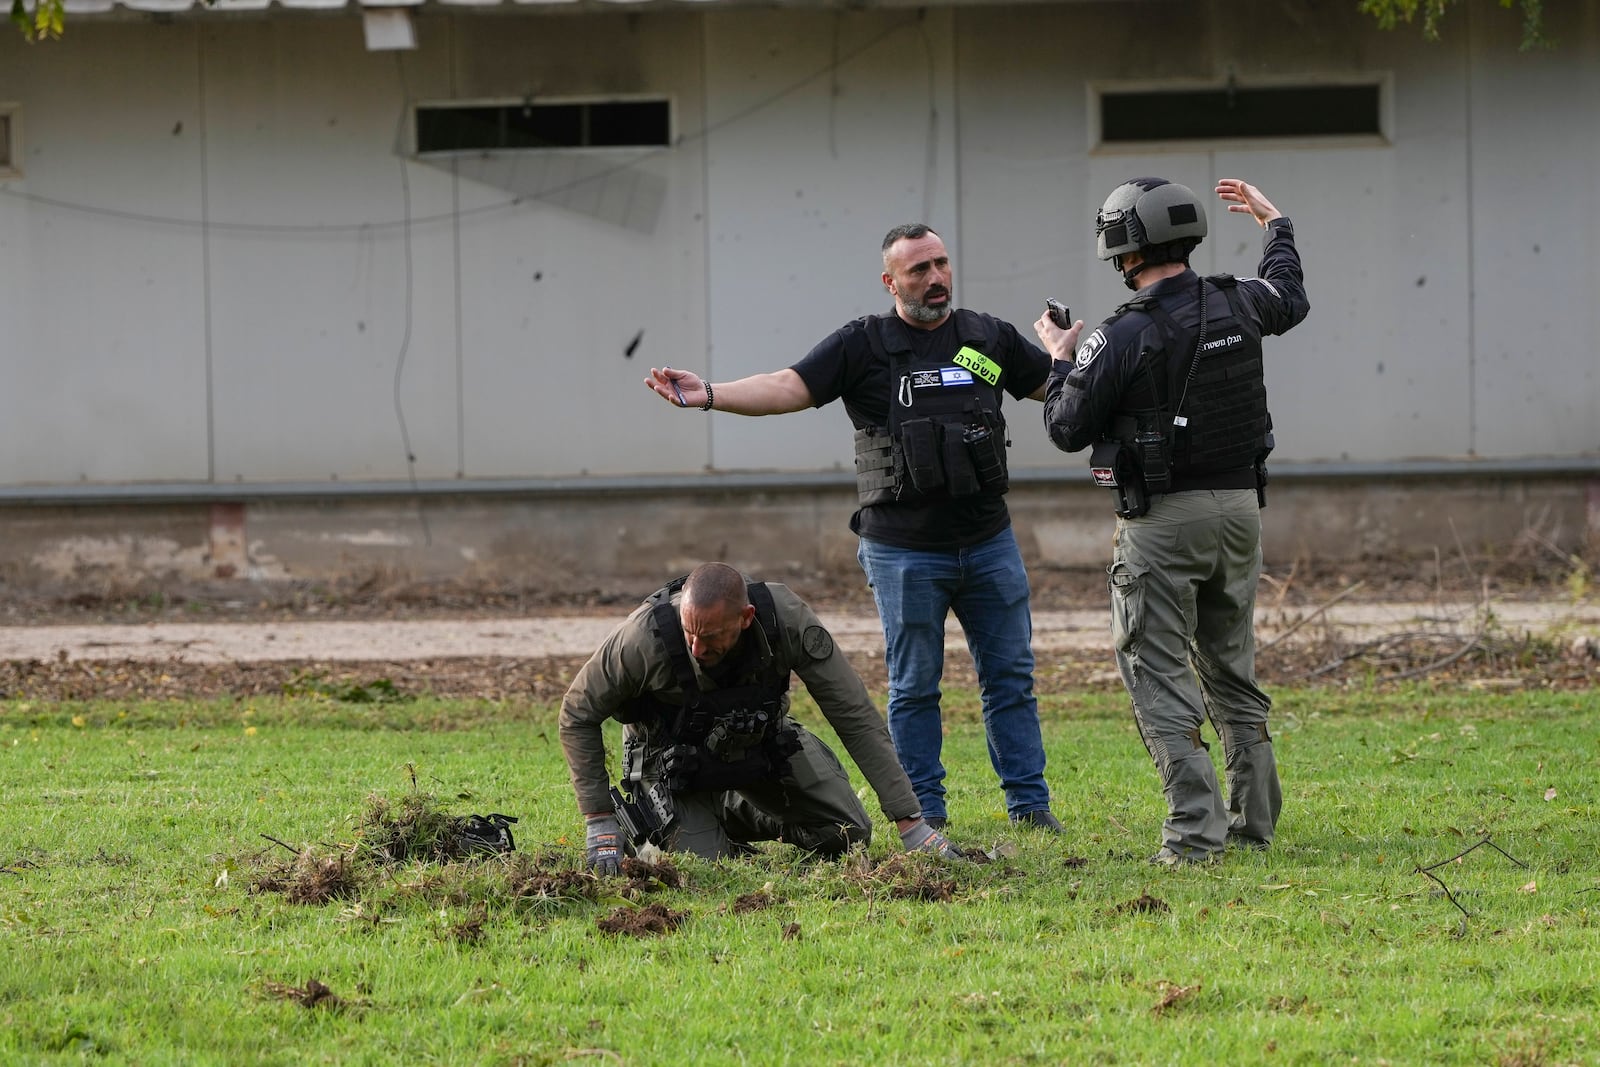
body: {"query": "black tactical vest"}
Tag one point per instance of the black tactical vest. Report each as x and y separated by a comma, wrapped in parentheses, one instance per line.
(946, 436)
(731, 736)
(1209, 396)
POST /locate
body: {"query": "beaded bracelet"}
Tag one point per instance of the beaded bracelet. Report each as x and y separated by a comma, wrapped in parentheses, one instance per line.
(709, 397)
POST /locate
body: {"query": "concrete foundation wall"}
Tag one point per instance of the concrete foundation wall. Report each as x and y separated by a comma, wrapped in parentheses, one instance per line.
(577, 542)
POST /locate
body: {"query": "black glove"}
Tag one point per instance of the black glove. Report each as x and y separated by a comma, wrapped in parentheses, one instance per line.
(602, 844)
(920, 837)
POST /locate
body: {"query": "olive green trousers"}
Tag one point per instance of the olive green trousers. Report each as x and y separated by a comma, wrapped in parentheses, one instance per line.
(1183, 591)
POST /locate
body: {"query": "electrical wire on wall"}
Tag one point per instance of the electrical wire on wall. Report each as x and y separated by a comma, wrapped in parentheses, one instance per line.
(931, 162)
(455, 216)
(407, 225)
(404, 162)
(205, 258)
(834, 89)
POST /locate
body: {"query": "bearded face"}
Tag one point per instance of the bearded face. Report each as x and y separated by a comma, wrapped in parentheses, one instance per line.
(917, 272)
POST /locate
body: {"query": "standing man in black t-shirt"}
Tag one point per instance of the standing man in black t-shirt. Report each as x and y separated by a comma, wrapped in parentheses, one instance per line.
(923, 387)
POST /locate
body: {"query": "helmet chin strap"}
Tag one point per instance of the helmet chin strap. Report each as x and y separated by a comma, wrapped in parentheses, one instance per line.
(1153, 256)
(1130, 275)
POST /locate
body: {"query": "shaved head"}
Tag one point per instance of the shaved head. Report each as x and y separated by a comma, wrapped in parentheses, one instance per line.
(715, 585)
(715, 612)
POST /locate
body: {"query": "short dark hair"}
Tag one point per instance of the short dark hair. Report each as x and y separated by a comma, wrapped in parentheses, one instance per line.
(716, 583)
(909, 231)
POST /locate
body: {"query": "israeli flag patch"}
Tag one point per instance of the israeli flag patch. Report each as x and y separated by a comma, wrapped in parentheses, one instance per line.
(1090, 348)
(954, 376)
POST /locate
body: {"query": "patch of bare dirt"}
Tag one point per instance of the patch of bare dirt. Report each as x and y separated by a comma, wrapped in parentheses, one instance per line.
(757, 901)
(534, 680)
(313, 994)
(903, 876)
(648, 921)
(1470, 649)
(1144, 903)
(1327, 656)
(1531, 569)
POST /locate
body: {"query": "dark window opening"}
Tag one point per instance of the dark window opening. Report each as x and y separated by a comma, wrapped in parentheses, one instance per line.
(610, 124)
(1230, 114)
(5, 140)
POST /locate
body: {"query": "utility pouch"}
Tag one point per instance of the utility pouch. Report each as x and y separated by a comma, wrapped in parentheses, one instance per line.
(961, 476)
(988, 452)
(785, 742)
(919, 446)
(679, 767)
(877, 454)
(736, 734)
(1115, 466)
(1151, 445)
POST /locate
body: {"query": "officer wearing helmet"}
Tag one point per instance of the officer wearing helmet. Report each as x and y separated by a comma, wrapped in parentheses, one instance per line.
(1169, 394)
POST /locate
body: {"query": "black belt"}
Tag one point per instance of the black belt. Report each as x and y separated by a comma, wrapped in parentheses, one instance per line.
(1237, 478)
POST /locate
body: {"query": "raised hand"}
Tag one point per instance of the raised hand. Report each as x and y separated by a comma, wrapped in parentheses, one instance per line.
(1244, 197)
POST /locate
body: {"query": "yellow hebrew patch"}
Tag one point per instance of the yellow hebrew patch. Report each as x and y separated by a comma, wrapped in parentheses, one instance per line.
(978, 364)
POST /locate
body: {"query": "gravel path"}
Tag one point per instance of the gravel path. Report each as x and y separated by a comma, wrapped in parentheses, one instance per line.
(579, 635)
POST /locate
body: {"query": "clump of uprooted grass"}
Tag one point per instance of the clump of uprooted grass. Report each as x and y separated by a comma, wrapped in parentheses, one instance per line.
(902, 876)
(313, 994)
(407, 853)
(314, 876)
(413, 829)
(439, 866)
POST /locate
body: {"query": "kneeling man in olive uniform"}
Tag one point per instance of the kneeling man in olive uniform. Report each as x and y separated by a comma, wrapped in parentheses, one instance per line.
(699, 677)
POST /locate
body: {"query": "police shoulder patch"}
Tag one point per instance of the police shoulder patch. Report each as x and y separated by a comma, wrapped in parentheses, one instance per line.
(817, 642)
(1090, 348)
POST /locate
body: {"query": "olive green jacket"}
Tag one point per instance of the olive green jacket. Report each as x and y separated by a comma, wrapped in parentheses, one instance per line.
(632, 661)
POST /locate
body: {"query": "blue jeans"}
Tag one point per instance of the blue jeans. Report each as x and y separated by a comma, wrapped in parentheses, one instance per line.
(987, 588)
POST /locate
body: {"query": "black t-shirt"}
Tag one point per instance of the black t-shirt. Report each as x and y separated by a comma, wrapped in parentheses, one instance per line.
(843, 366)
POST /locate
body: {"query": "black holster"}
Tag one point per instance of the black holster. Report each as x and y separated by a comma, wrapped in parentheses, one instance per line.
(1261, 470)
(1115, 466)
(642, 822)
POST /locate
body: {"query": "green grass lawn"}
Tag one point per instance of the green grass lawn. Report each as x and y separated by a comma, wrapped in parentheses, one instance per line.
(136, 926)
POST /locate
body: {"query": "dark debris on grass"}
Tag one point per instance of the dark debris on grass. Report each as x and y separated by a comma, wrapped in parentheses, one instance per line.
(1143, 904)
(648, 921)
(314, 994)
